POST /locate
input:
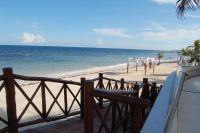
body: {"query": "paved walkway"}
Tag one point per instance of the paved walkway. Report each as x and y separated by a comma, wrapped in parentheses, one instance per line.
(189, 107)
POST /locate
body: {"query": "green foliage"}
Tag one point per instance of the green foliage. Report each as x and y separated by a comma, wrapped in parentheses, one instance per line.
(160, 55)
(197, 46)
(192, 51)
(186, 52)
(184, 5)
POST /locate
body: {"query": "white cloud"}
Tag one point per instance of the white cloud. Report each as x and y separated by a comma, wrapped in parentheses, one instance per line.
(31, 38)
(116, 32)
(165, 1)
(193, 16)
(172, 34)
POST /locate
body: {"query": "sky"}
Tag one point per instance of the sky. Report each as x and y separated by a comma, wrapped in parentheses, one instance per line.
(129, 24)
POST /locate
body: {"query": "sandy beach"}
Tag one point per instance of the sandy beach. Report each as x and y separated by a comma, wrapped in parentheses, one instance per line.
(160, 74)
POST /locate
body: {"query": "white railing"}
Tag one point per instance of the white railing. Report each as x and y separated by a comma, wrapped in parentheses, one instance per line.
(163, 113)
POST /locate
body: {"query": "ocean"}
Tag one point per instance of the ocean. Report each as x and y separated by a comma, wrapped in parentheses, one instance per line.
(52, 60)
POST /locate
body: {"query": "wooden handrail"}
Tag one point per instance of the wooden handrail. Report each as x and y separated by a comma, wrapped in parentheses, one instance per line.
(117, 92)
(119, 81)
(126, 98)
(111, 79)
(119, 96)
(126, 82)
(32, 78)
(10, 82)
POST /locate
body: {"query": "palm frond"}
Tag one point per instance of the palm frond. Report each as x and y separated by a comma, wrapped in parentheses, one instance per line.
(188, 47)
(183, 5)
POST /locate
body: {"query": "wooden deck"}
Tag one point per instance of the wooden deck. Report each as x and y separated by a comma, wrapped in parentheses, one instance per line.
(73, 125)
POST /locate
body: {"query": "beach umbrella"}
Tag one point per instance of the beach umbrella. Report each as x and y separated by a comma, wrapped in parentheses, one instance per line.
(183, 5)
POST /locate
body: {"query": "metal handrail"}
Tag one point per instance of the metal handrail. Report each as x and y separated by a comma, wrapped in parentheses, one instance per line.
(174, 103)
(157, 119)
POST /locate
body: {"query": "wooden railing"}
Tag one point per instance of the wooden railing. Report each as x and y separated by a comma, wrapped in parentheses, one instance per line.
(126, 111)
(3, 120)
(13, 117)
(11, 85)
(128, 104)
(143, 90)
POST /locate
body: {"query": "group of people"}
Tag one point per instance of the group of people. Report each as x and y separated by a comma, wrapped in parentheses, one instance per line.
(150, 62)
(145, 64)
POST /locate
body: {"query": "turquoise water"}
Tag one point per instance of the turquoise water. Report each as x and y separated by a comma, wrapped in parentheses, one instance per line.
(45, 60)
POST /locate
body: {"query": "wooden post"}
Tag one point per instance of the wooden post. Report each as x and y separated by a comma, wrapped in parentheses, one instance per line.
(10, 100)
(82, 97)
(145, 89)
(65, 98)
(101, 87)
(44, 113)
(127, 67)
(145, 80)
(136, 88)
(122, 84)
(88, 101)
(114, 114)
(153, 93)
(137, 120)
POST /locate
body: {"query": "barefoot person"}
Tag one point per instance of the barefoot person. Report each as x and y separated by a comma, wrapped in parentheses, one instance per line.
(150, 64)
(145, 68)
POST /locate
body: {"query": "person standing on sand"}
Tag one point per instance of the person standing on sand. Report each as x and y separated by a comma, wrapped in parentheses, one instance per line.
(150, 64)
(145, 68)
(143, 62)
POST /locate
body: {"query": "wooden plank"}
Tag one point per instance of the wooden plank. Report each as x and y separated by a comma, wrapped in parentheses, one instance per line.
(82, 97)
(10, 100)
(88, 113)
(101, 87)
(43, 94)
(122, 83)
(32, 78)
(116, 97)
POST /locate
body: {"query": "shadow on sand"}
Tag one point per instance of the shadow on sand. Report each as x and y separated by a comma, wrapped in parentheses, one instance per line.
(160, 74)
(113, 73)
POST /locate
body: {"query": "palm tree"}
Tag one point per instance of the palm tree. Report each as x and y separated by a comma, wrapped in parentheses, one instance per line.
(192, 51)
(183, 5)
(186, 52)
(196, 49)
(197, 46)
(160, 55)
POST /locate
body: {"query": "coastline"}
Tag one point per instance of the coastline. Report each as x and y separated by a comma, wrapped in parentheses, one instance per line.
(60, 61)
(113, 71)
